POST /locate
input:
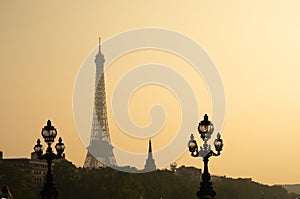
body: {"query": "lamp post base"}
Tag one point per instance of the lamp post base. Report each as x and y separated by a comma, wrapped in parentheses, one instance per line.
(49, 190)
(206, 191)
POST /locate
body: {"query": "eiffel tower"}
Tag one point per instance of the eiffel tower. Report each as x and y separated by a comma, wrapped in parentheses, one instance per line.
(100, 151)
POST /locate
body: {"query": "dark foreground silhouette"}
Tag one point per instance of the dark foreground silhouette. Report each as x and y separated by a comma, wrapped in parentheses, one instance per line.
(106, 183)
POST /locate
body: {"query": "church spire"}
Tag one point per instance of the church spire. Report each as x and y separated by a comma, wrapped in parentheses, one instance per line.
(150, 147)
(150, 162)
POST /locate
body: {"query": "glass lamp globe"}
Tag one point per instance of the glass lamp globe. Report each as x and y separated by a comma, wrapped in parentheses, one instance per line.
(49, 133)
(205, 127)
(193, 146)
(38, 148)
(218, 143)
(60, 147)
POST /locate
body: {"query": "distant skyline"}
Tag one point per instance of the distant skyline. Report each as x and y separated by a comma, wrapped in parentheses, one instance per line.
(254, 46)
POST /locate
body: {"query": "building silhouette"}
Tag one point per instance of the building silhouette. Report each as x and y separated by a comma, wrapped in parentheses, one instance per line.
(100, 151)
(150, 163)
(34, 169)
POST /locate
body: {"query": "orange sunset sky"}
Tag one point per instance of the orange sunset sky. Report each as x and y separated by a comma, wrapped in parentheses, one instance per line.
(254, 45)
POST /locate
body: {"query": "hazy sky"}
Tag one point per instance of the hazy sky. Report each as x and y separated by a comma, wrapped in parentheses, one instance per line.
(254, 45)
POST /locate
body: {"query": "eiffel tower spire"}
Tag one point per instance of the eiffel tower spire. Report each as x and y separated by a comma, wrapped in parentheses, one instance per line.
(100, 151)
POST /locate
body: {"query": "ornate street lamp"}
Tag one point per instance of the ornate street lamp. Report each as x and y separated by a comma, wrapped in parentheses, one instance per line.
(49, 133)
(205, 130)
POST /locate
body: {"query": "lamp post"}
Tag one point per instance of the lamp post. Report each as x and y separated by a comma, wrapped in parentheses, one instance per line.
(49, 133)
(205, 130)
